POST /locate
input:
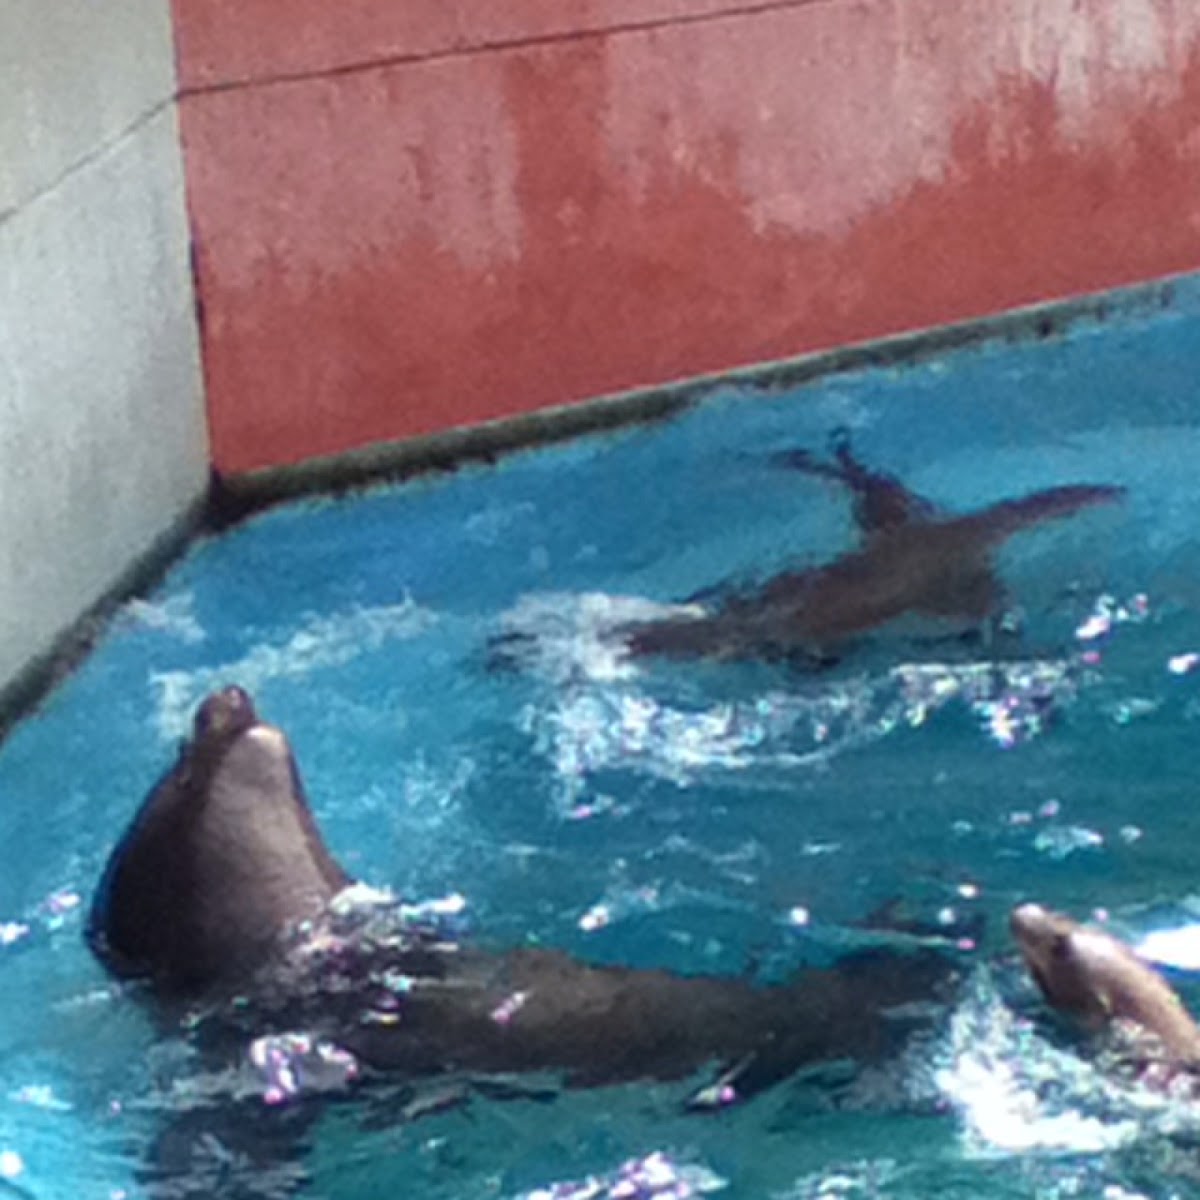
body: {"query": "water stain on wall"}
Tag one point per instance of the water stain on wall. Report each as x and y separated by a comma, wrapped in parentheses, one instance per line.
(392, 251)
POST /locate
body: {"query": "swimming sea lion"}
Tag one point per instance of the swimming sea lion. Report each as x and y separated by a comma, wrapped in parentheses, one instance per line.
(223, 886)
(1097, 979)
(912, 560)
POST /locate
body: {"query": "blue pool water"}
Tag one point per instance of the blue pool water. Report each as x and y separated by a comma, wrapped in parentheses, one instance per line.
(704, 817)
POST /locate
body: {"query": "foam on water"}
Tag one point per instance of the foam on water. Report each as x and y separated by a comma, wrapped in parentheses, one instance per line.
(608, 710)
(655, 1177)
(1016, 1092)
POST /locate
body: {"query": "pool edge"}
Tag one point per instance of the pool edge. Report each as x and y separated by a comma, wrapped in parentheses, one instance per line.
(237, 497)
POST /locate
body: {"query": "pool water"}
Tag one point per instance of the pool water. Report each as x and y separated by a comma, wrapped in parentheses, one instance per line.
(440, 655)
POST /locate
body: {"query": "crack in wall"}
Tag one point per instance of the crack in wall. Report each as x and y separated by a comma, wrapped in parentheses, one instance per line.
(97, 154)
(492, 46)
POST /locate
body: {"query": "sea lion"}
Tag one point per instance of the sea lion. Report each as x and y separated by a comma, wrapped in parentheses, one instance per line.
(913, 560)
(222, 856)
(1098, 980)
(223, 886)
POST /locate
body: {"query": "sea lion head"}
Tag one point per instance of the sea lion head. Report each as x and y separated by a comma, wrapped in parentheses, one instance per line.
(1096, 978)
(221, 859)
(1063, 961)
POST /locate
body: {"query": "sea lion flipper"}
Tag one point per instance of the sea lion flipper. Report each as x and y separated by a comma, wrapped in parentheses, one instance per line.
(999, 521)
(238, 1149)
(881, 501)
(512, 1087)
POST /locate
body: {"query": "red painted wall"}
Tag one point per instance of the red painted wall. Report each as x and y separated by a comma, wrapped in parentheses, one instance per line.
(420, 214)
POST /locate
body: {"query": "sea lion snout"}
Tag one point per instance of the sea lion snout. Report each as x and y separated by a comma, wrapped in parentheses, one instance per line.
(244, 761)
(1026, 919)
(1035, 928)
(1076, 967)
(229, 711)
(1044, 939)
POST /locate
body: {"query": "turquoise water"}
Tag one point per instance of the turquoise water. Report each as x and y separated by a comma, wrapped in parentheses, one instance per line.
(703, 817)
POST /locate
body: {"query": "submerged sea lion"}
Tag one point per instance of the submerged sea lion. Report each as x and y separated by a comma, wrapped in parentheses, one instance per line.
(1097, 979)
(223, 886)
(913, 560)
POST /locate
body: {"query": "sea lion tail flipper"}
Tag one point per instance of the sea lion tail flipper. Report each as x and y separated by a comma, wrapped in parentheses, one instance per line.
(845, 467)
(839, 446)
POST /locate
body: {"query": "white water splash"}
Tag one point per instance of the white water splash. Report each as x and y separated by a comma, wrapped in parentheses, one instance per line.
(1178, 947)
(1015, 1092)
(604, 713)
(566, 636)
(611, 719)
(319, 643)
(173, 616)
(288, 1065)
(860, 1180)
(589, 730)
(656, 1176)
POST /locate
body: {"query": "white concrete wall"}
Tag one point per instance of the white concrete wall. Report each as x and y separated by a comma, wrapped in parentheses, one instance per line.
(102, 431)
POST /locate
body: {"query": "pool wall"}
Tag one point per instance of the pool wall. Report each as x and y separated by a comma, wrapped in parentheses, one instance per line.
(411, 217)
(103, 443)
